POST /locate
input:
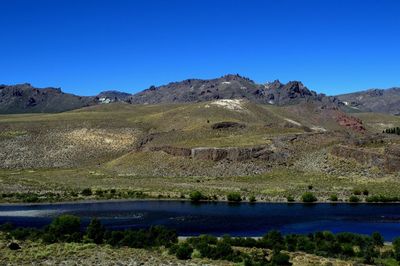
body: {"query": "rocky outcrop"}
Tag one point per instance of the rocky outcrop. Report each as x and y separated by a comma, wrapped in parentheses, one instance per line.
(175, 151)
(227, 87)
(350, 122)
(388, 161)
(218, 154)
(231, 153)
(224, 125)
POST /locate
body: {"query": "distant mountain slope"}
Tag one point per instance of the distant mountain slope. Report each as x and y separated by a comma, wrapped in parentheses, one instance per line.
(374, 100)
(23, 98)
(227, 87)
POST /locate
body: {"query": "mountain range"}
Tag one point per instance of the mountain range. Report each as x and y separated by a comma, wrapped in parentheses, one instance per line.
(24, 98)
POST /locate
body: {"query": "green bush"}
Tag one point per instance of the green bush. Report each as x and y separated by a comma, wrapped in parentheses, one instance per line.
(196, 196)
(377, 239)
(65, 228)
(279, 258)
(354, 199)
(357, 192)
(290, 198)
(365, 192)
(184, 251)
(252, 199)
(309, 197)
(333, 198)
(396, 248)
(87, 192)
(95, 231)
(234, 197)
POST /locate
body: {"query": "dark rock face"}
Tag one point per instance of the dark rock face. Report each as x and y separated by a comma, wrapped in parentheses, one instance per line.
(24, 98)
(374, 100)
(226, 87)
(224, 125)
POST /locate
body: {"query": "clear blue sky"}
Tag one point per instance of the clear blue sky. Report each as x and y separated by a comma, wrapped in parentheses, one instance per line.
(85, 47)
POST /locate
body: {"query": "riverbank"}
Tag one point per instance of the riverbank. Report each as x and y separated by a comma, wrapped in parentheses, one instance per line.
(279, 185)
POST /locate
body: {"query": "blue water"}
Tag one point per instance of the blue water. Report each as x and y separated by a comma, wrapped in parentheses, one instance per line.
(219, 218)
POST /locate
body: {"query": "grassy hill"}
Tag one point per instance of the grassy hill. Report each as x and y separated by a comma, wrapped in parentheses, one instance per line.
(127, 147)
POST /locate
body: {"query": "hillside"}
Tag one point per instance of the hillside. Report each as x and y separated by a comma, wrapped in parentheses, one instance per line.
(23, 98)
(374, 100)
(216, 146)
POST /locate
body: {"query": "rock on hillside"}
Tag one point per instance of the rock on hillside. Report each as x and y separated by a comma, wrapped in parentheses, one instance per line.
(23, 98)
(227, 87)
(374, 100)
(112, 96)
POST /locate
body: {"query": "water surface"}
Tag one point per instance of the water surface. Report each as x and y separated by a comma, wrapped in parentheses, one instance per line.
(219, 218)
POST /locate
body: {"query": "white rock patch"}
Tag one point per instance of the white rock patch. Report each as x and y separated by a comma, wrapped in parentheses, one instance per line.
(236, 105)
(293, 122)
(319, 129)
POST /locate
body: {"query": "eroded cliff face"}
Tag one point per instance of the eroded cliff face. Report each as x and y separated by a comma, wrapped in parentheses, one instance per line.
(227, 153)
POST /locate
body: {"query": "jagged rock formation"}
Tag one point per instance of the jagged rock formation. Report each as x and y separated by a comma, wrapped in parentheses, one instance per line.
(227, 87)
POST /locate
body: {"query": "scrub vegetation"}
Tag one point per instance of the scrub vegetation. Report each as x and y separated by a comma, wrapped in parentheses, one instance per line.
(273, 248)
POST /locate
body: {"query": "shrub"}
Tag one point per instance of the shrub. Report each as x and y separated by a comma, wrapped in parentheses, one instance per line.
(308, 197)
(95, 231)
(196, 196)
(252, 199)
(234, 197)
(377, 239)
(65, 228)
(310, 187)
(365, 192)
(279, 258)
(290, 198)
(357, 192)
(333, 198)
(396, 248)
(184, 251)
(87, 192)
(25, 233)
(273, 240)
(354, 199)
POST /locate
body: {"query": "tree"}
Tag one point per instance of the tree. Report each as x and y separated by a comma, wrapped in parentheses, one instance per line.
(354, 199)
(95, 231)
(279, 258)
(64, 228)
(377, 239)
(396, 247)
(196, 196)
(309, 197)
(184, 251)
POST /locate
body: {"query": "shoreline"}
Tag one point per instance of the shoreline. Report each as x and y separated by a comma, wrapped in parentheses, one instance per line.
(90, 201)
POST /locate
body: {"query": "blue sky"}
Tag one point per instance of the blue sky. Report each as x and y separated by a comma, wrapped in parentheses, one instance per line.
(85, 47)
